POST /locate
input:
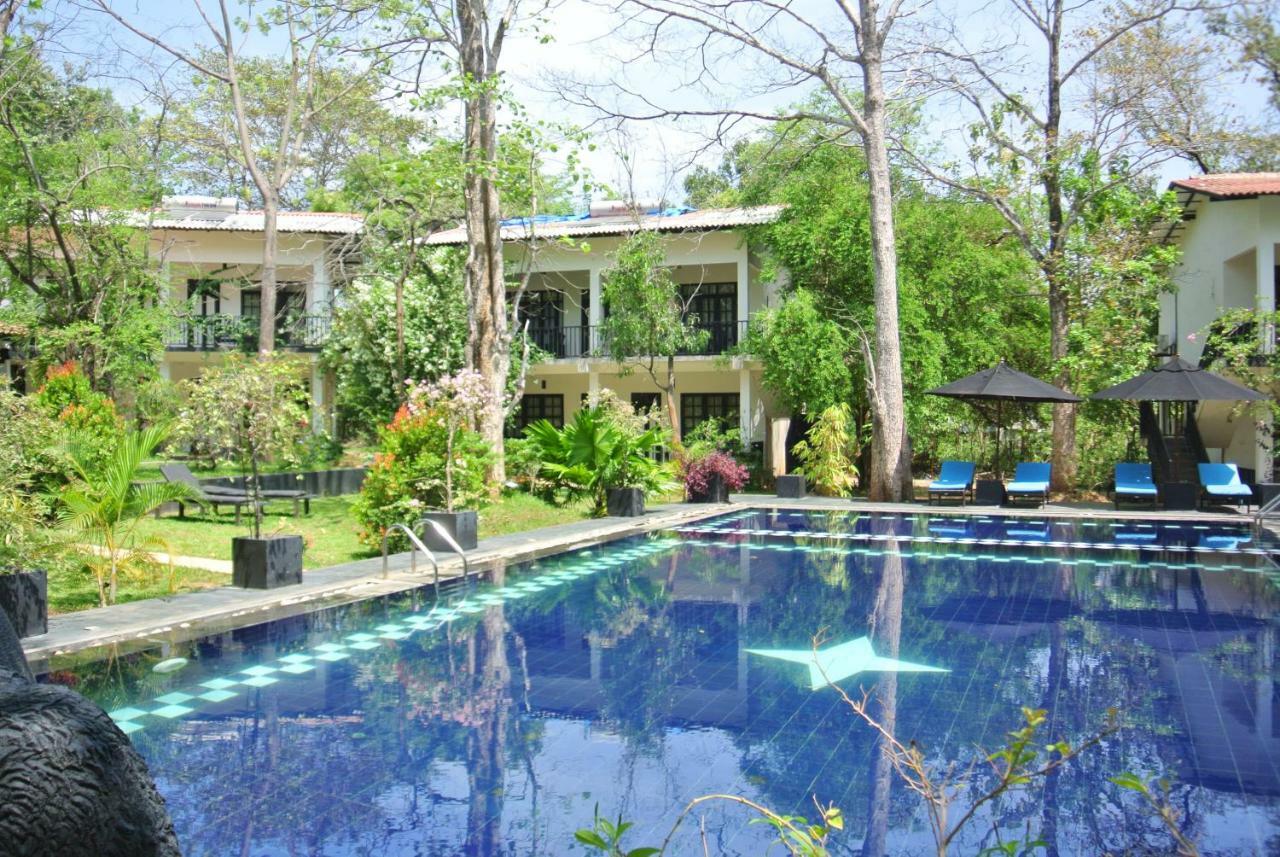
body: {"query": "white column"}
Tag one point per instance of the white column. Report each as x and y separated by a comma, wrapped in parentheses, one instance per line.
(321, 297)
(595, 313)
(593, 383)
(1265, 301)
(745, 406)
(319, 407)
(744, 287)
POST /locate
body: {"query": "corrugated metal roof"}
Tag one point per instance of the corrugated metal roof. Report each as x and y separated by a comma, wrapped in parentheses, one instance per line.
(694, 221)
(320, 222)
(1231, 185)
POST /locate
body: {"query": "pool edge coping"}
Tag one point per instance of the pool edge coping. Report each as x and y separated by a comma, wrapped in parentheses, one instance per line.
(136, 622)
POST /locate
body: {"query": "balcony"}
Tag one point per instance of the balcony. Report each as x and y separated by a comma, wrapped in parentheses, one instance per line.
(240, 332)
(590, 341)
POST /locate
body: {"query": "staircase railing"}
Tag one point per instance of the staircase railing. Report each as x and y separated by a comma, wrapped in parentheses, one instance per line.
(1193, 436)
(1157, 450)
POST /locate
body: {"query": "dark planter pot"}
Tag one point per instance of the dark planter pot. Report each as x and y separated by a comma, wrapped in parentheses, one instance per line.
(266, 563)
(463, 526)
(24, 598)
(717, 492)
(792, 486)
(625, 502)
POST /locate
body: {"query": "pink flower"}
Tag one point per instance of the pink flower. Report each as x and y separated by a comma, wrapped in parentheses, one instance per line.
(1191, 337)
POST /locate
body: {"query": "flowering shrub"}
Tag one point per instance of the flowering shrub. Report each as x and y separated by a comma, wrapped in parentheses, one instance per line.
(699, 473)
(89, 416)
(428, 459)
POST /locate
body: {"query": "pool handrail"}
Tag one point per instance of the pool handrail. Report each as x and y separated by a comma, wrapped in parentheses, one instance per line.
(448, 539)
(416, 545)
(1265, 511)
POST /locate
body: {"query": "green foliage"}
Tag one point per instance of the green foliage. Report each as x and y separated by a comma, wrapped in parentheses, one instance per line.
(408, 475)
(1254, 29)
(967, 293)
(646, 319)
(805, 354)
(825, 455)
(599, 449)
(249, 409)
(105, 502)
(32, 454)
(605, 836)
(83, 281)
(361, 349)
(88, 416)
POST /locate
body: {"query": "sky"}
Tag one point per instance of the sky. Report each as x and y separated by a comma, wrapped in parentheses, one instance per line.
(592, 43)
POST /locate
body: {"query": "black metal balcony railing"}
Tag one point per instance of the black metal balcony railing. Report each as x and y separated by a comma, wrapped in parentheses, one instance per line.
(224, 332)
(591, 341)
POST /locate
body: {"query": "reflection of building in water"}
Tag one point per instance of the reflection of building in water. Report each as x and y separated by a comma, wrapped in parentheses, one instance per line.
(1218, 667)
(1216, 650)
(570, 666)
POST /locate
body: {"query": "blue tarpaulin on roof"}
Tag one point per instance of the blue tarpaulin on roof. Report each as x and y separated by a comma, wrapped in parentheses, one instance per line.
(568, 218)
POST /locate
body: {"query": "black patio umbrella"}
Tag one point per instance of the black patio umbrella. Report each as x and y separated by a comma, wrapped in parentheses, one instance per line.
(1001, 384)
(1179, 381)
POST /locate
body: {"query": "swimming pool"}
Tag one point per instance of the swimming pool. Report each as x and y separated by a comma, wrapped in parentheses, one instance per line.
(638, 675)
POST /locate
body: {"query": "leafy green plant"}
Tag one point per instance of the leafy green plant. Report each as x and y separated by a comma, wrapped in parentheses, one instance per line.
(408, 475)
(597, 451)
(250, 410)
(1158, 800)
(105, 503)
(605, 836)
(824, 455)
(67, 396)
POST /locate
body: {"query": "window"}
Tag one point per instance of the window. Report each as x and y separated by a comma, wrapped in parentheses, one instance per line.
(696, 408)
(290, 310)
(713, 307)
(542, 310)
(534, 407)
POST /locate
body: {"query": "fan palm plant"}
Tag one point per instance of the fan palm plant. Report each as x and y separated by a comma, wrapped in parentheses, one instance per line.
(104, 503)
(594, 453)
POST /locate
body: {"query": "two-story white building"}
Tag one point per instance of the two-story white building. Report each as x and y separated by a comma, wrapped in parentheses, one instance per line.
(1228, 233)
(707, 253)
(211, 255)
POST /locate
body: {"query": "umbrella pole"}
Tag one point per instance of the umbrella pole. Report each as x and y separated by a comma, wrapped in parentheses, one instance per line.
(999, 428)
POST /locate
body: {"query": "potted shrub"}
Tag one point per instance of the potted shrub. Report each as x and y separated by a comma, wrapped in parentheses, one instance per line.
(709, 479)
(255, 406)
(454, 402)
(604, 453)
(430, 465)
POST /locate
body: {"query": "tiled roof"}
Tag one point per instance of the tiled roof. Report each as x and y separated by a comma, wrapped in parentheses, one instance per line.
(1231, 185)
(319, 222)
(693, 221)
(9, 328)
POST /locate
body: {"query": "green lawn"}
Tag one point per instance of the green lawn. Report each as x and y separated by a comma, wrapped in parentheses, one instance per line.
(330, 529)
(73, 589)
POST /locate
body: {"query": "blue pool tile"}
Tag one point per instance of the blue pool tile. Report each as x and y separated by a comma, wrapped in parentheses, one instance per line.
(171, 711)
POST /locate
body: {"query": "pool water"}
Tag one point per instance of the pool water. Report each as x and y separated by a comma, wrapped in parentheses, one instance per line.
(639, 675)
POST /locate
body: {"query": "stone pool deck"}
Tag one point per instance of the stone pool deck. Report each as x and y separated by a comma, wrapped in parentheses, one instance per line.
(191, 614)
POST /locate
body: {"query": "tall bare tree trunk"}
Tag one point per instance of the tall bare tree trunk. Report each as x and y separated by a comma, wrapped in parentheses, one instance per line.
(890, 468)
(488, 346)
(1064, 416)
(267, 322)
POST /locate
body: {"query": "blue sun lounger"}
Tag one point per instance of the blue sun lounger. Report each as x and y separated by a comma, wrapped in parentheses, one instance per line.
(1030, 481)
(954, 480)
(1221, 483)
(1134, 483)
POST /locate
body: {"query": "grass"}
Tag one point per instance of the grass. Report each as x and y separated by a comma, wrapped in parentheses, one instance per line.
(75, 588)
(330, 529)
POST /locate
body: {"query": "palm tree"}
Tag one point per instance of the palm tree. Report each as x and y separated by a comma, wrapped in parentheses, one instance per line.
(105, 503)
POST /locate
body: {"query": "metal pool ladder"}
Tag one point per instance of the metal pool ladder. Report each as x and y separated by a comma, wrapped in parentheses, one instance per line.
(448, 539)
(416, 545)
(1269, 509)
